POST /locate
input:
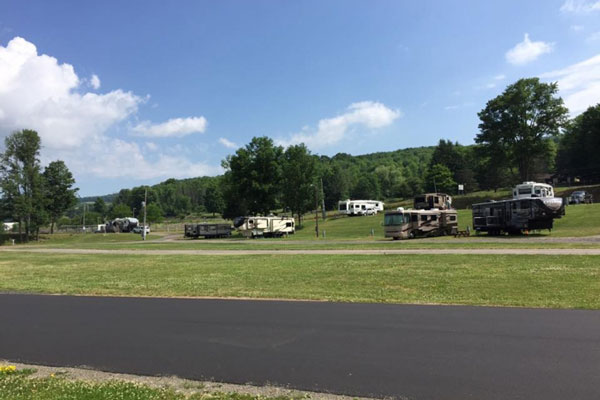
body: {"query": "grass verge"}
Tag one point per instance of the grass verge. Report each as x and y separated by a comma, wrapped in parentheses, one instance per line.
(507, 280)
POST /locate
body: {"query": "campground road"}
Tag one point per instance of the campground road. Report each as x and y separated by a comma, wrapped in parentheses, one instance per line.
(506, 251)
(402, 351)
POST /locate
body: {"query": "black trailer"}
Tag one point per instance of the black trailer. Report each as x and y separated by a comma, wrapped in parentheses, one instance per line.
(207, 230)
(517, 215)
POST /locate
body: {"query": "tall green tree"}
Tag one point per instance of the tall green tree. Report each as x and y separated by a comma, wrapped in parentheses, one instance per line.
(154, 213)
(439, 178)
(253, 177)
(213, 199)
(21, 181)
(299, 173)
(519, 121)
(100, 207)
(578, 149)
(59, 193)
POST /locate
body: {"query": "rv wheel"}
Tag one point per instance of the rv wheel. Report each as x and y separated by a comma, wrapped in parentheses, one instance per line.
(411, 235)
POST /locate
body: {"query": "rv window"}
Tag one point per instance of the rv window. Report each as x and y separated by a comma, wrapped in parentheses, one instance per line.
(436, 200)
(453, 218)
(434, 217)
(414, 218)
(364, 207)
(525, 191)
(288, 224)
(343, 207)
(423, 217)
(393, 219)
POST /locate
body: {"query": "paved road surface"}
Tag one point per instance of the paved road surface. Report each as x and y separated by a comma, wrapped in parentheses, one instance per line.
(418, 352)
(588, 252)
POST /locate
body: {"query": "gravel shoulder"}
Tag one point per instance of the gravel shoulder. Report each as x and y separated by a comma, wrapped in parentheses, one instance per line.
(179, 384)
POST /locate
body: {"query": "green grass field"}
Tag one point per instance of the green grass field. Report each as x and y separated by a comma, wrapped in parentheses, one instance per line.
(532, 281)
(21, 386)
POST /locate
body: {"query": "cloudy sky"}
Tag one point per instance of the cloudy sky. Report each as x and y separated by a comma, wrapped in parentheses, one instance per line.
(135, 92)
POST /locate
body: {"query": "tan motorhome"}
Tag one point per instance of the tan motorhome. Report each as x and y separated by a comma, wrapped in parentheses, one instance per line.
(408, 224)
(271, 226)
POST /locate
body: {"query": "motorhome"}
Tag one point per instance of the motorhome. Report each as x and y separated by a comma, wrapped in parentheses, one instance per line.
(121, 225)
(271, 226)
(533, 207)
(360, 207)
(409, 224)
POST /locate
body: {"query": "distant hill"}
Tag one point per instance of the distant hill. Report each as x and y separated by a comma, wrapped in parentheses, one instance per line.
(108, 198)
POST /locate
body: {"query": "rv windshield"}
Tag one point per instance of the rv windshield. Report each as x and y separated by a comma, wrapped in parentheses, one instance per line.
(394, 219)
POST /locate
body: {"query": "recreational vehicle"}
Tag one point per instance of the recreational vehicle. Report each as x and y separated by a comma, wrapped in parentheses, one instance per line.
(271, 226)
(533, 207)
(409, 224)
(207, 230)
(360, 207)
(433, 201)
(121, 225)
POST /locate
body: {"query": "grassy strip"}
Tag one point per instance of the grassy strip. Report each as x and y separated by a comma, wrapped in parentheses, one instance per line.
(21, 387)
(532, 281)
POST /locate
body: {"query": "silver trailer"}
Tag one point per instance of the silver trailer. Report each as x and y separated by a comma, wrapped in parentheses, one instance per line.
(207, 230)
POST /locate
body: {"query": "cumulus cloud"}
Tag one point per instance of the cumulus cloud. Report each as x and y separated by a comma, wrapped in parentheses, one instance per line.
(369, 115)
(175, 127)
(580, 6)
(37, 92)
(579, 84)
(499, 77)
(228, 143)
(527, 51)
(95, 82)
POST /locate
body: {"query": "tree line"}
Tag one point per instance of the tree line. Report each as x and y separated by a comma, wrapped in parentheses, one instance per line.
(524, 133)
(30, 196)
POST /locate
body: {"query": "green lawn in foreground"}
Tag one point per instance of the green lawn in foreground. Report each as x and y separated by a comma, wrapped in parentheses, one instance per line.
(22, 387)
(534, 281)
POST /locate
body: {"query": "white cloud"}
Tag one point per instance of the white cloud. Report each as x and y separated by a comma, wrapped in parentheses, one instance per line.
(95, 82)
(366, 114)
(527, 51)
(577, 28)
(175, 127)
(579, 84)
(580, 6)
(452, 107)
(499, 77)
(37, 92)
(227, 143)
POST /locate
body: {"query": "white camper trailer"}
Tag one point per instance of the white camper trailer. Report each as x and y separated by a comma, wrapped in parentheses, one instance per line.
(266, 226)
(528, 190)
(360, 207)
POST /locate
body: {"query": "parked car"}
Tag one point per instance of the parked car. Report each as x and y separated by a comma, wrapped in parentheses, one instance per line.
(579, 197)
(138, 229)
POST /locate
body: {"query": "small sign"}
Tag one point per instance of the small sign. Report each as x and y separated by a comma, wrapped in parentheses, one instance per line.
(461, 187)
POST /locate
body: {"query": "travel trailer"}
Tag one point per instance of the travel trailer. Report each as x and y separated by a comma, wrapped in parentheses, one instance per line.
(433, 201)
(271, 226)
(533, 207)
(207, 230)
(360, 207)
(121, 225)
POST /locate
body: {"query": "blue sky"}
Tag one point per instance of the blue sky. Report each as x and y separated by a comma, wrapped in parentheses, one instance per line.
(135, 92)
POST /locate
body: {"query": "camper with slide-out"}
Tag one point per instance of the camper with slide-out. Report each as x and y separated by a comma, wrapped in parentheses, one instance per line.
(360, 207)
(271, 226)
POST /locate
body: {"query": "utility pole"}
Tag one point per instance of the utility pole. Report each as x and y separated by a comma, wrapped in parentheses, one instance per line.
(317, 210)
(144, 205)
(323, 201)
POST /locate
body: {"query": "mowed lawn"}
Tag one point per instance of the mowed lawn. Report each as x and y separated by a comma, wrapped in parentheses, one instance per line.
(532, 281)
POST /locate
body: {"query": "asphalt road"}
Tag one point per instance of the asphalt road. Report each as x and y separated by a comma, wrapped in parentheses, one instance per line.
(420, 352)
